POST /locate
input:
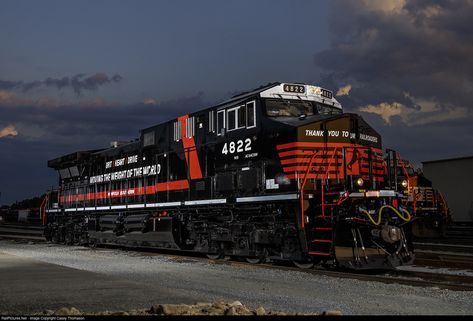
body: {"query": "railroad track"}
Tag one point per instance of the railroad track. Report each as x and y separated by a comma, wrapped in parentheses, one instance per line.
(425, 257)
(412, 278)
(405, 277)
(455, 234)
(445, 255)
(21, 231)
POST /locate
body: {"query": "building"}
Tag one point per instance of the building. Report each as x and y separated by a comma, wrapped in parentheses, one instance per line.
(454, 178)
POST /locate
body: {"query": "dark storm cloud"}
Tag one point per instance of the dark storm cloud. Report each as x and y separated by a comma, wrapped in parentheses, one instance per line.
(98, 121)
(48, 132)
(413, 59)
(78, 83)
(409, 65)
(6, 84)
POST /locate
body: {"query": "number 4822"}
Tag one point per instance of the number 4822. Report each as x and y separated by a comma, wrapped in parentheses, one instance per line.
(237, 147)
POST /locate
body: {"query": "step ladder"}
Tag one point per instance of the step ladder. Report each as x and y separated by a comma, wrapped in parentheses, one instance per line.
(322, 233)
(322, 236)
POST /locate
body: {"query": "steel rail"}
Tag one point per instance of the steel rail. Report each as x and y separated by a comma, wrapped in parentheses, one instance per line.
(404, 277)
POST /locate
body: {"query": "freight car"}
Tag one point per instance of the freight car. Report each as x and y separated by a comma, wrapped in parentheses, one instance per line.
(277, 173)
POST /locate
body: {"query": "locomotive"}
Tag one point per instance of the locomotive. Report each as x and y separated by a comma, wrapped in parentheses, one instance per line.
(276, 173)
(427, 204)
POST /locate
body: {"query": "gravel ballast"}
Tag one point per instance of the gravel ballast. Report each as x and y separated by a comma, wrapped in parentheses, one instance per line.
(189, 280)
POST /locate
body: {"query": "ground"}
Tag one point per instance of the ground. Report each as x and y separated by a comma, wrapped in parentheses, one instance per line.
(35, 277)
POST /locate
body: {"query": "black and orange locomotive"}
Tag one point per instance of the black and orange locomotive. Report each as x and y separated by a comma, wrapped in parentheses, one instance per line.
(279, 172)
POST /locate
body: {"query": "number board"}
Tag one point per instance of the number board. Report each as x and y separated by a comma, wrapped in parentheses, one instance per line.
(326, 93)
(294, 88)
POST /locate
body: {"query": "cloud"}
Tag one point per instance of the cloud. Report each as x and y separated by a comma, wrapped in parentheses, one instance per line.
(385, 110)
(410, 65)
(7, 96)
(344, 91)
(6, 84)
(11, 99)
(425, 112)
(92, 82)
(387, 6)
(8, 131)
(387, 48)
(78, 83)
(83, 122)
(150, 101)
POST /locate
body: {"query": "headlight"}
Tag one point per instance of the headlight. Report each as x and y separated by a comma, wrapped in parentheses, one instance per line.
(404, 183)
(359, 181)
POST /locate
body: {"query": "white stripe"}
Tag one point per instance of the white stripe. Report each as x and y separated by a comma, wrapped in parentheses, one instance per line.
(70, 209)
(52, 211)
(267, 198)
(357, 195)
(389, 193)
(117, 207)
(136, 205)
(90, 208)
(151, 205)
(99, 208)
(163, 204)
(379, 193)
(80, 209)
(201, 202)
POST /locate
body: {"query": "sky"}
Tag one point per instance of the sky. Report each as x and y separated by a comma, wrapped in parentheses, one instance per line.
(78, 75)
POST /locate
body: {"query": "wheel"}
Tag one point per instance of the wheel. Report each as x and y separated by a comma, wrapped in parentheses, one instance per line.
(215, 256)
(257, 259)
(69, 238)
(55, 236)
(254, 260)
(304, 264)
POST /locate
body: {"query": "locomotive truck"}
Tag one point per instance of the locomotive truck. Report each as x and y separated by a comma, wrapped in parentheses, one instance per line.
(279, 173)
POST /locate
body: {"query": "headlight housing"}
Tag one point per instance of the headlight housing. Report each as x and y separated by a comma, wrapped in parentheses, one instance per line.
(359, 181)
(404, 183)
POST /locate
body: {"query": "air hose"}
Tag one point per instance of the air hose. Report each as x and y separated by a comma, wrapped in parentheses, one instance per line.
(362, 210)
(406, 218)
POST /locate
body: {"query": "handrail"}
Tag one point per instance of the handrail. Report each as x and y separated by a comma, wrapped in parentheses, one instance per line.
(304, 180)
(445, 206)
(42, 208)
(403, 168)
(323, 180)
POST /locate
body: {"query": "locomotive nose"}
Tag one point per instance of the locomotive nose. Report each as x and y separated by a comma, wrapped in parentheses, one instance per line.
(341, 146)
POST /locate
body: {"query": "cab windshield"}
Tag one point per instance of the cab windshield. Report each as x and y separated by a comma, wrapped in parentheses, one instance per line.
(297, 108)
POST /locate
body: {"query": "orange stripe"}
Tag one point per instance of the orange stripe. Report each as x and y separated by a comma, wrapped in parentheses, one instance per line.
(174, 185)
(294, 160)
(295, 153)
(151, 189)
(190, 151)
(327, 153)
(303, 169)
(323, 145)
